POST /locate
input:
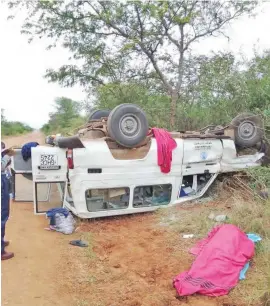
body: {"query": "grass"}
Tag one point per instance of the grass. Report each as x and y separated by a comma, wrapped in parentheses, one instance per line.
(254, 217)
(89, 251)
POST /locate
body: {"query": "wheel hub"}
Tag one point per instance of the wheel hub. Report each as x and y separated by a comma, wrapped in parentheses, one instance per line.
(246, 130)
(129, 125)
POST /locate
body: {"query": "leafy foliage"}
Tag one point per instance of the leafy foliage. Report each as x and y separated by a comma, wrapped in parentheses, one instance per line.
(9, 128)
(219, 88)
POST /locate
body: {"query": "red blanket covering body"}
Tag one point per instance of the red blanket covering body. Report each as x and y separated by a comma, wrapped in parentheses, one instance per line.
(220, 258)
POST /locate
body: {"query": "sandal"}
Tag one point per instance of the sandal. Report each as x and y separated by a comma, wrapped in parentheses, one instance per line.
(79, 243)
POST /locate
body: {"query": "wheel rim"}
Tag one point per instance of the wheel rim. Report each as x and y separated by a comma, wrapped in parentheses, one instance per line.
(129, 125)
(247, 130)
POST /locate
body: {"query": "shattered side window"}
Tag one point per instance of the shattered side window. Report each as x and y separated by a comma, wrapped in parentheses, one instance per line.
(153, 195)
(107, 199)
(192, 185)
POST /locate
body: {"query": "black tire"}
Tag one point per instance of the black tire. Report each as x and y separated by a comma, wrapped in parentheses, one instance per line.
(98, 114)
(248, 130)
(128, 125)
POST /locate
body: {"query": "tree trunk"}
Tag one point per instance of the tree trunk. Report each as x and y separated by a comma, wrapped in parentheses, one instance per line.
(173, 110)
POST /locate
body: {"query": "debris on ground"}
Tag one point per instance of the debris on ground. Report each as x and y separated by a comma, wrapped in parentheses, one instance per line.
(216, 273)
(211, 216)
(61, 220)
(218, 218)
(264, 194)
(187, 236)
(79, 243)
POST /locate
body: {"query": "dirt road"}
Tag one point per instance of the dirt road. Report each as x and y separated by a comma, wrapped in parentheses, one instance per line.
(29, 278)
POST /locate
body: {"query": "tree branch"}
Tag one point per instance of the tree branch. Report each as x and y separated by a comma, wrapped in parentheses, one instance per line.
(157, 69)
(109, 23)
(166, 27)
(210, 31)
(181, 59)
(139, 20)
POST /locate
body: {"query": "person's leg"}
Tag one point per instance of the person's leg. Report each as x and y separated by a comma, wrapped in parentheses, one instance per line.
(4, 211)
(12, 178)
(4, 215)
(9, 186)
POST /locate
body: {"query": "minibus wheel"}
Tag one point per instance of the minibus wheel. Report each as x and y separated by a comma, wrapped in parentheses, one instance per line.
(127, 125)
(248, 129)
(98, 114)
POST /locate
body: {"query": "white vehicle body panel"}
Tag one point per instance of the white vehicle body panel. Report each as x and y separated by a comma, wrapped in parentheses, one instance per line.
(192, 158)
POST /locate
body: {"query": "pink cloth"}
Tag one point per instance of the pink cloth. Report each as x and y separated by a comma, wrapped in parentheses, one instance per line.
(165, 145)
(220, 258)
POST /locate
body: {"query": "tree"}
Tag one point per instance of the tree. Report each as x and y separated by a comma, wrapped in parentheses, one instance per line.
(65, 116)
(121, 41)
(65, 110)
(257, 79)
(219, 87)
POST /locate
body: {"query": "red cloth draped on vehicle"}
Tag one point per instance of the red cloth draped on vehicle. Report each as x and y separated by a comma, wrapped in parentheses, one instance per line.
(165, 145)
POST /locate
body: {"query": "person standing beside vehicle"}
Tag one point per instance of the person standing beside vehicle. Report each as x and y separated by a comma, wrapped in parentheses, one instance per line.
(5, 199)
(8, 174)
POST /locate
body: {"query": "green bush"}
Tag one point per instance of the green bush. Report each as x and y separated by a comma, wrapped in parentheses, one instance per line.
(9, 128)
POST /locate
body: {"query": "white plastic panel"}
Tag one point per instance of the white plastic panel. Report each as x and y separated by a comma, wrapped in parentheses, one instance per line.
(49, 164)
(202, 150)
(229, 150)
(201, 156)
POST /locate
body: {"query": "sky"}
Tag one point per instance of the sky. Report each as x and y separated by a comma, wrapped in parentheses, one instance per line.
(27, 96)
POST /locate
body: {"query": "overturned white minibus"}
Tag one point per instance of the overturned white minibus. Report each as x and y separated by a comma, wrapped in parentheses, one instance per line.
(101, 172)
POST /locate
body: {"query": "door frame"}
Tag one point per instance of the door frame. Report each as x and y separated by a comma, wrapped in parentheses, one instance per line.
(62, 195)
